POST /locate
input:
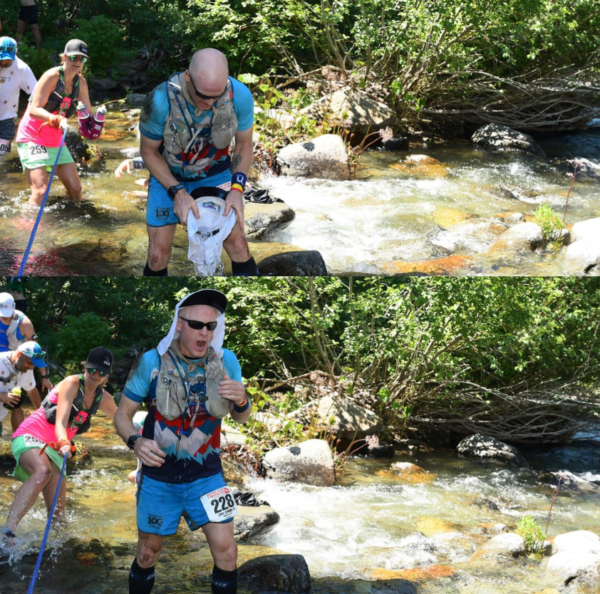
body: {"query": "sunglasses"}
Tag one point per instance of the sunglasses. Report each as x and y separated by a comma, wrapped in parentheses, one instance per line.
(201, 95)
(76, 58)
(195, 325)
(92, 371)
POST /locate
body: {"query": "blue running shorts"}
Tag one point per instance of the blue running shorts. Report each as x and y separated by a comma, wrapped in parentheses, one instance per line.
(159, 210)
(161, 505)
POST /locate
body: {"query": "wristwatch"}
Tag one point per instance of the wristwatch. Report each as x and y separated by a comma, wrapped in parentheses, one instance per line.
(174, 189)
(132, 439)
(44, 376)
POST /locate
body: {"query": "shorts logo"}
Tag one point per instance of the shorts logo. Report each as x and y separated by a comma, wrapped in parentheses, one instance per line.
(155, 520)
(162, 214)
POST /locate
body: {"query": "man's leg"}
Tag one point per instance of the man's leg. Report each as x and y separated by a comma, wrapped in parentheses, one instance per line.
(160, 245)
(224, 552)
(35, 29)
(141, 574)
(236, 246)
(20, 30)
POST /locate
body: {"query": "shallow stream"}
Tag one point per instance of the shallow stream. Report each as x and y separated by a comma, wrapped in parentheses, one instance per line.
(389, 213)
(360, 536)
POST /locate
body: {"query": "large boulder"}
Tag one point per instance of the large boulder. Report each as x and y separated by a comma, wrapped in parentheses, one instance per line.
(502, 138)
(582, 257)
(310, 462)
(586, 170)
(323, 157)
(260, 219)
(252, 521)
(298, 263)
(576, 558)
(357, 112)
(570, 482)
(523, 237)
(343, 417)
(284, 573)
(486, 448)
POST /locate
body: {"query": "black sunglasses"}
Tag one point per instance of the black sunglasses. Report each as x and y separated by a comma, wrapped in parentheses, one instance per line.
(75, 58)
(201, 95)
(92, 371)
(195, 325)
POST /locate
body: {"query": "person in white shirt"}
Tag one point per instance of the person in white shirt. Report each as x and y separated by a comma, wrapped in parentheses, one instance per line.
(15, 76)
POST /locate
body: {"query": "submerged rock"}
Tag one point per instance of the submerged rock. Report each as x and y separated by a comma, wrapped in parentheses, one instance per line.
(510, 218)
(323, 157)
(484, 447)
(286, 573)
(310, 462)
(503, 138)
(422, 165)
(522, 237)
(438, 267)
(576, 559)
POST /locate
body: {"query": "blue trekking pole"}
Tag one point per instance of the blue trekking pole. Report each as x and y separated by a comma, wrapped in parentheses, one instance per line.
(41, 212)
(39, 559)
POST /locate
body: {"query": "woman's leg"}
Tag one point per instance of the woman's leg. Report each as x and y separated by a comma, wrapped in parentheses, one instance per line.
(38, 182)
(68, 175)
(49, 492)
(40, 470)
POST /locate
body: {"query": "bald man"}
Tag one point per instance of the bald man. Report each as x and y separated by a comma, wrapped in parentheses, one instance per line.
(186, 128)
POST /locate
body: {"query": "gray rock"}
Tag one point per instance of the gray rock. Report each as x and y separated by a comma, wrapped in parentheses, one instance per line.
(507, 544)
(350, 420)
(105, 84)
(136, 99)
(299, 263)
(588, 229)
(360, 113)
(310, 462)
(586, 170)
(582, 257)
(323, 157)
(523, 237)
(570, 482)
(252, 521)
(396, 144)
(285, 573)
(260, 219)
(576, 558)
(484, 447)
(503, 138)
(76, 145)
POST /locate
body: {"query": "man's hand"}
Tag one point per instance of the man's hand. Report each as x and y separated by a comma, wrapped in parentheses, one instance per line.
(148, 452)
(182, 205)
(9, 398)
(125, 167)
(232, 390)
(235, 200)
(47, 384)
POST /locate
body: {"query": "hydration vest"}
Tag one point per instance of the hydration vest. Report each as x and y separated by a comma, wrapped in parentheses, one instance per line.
(176, 396)
(11, 331)
(55, 101)
(50, 408)
(184, 146)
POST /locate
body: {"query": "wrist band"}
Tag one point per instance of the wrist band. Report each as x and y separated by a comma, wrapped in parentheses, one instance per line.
(239, 178)
(242, 407)
(236, 187)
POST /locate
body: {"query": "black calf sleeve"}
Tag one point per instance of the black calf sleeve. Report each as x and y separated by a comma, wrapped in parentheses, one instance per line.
(223, 582)
(141, 581)
(149, 272)
(247, 268)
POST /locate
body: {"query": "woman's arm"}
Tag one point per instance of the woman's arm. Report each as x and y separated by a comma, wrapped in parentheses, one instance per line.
(67, 392)
(41, 94)
(108, 406)
(84, 94)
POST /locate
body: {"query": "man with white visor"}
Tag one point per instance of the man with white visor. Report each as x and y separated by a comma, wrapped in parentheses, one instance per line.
(190, 383)
(16, 371)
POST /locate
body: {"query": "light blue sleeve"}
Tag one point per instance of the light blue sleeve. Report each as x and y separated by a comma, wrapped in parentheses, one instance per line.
(232, 365)
(243, 105)
(137, 387)
(154, 113)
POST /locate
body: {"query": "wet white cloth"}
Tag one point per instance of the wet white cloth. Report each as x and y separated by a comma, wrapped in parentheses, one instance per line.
(216, 343)
(207, 234)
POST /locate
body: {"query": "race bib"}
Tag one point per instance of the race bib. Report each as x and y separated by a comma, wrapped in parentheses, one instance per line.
(33, 442)
(219, 505)
(4, 146)
(38, 152)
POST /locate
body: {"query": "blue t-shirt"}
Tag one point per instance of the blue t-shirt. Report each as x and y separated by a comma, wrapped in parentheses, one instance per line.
(4, 336)
(193, 441)
(152, 124)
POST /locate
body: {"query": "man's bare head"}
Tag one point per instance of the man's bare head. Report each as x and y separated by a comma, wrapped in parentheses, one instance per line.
(209, 71)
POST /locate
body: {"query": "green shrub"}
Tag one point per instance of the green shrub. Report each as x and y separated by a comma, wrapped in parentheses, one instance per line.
(38, 61)
(104, 40)
(531, 533)
(549, 222)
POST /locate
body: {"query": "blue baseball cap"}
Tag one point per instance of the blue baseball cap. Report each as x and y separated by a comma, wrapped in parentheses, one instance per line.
(34, 351)
(8, 48)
